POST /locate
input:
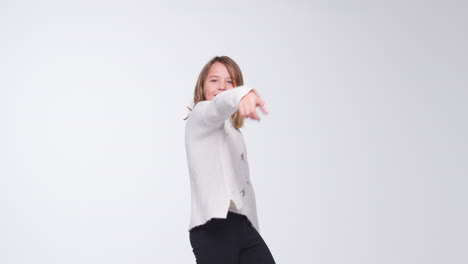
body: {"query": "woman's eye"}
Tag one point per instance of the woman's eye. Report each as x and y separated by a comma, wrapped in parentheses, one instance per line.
(229, 81)
(213, 80)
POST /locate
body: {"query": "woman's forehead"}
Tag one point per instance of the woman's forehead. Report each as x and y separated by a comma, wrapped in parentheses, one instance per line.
(218, 70)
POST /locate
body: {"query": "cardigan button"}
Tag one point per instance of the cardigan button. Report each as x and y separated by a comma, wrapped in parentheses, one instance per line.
(243, 192)
(242, 156)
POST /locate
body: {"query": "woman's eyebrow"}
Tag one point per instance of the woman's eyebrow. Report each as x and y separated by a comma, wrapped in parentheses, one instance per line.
(217, 76)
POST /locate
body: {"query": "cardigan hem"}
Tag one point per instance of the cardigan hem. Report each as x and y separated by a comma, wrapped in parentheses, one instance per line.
(211, 218)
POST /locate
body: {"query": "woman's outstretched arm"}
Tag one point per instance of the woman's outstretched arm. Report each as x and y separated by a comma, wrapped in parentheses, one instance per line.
(243, 98)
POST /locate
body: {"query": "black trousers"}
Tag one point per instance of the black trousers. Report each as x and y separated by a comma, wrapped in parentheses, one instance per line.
(233, 240)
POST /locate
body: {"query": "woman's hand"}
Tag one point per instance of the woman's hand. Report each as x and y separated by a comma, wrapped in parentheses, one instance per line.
(249, 103)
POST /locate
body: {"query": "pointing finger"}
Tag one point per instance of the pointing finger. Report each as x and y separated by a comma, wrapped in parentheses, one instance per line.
(262, 107)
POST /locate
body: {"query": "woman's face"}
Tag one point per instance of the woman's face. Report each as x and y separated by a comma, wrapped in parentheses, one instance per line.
(218, 80)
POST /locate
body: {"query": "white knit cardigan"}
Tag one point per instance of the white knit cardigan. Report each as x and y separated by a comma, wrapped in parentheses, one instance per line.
(217, 161)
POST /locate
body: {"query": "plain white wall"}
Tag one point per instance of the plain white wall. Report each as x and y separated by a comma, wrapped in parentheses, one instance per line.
(362, 159)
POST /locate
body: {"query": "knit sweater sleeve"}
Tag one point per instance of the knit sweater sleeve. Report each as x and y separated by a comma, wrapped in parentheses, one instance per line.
(213, 113)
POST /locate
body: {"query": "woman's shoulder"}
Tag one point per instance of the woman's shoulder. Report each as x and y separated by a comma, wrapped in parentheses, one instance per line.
(197, 107)
(201, 103)
(195, 115)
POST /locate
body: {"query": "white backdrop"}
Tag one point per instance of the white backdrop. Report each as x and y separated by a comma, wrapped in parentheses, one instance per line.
(362, 159)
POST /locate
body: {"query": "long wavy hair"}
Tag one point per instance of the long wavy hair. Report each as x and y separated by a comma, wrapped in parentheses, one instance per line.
(234, 72)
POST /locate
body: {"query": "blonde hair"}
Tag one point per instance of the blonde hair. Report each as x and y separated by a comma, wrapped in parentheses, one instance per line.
(236, 75)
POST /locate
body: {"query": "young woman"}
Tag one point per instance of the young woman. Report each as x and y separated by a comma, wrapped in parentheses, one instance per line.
(223, 226)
